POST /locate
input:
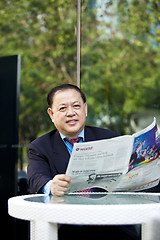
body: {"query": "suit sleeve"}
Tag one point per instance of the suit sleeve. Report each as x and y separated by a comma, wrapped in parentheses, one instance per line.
(38, 172)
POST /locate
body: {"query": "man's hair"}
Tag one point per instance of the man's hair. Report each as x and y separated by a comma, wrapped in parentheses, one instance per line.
(63, 87)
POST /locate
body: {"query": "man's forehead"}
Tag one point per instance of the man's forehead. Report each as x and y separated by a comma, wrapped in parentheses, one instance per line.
(66, 96)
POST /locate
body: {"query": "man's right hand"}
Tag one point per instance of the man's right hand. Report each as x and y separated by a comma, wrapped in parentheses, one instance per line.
(60, 184)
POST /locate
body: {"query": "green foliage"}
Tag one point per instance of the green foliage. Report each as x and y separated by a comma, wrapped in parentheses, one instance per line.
(121, 66)
(43, 33)
(120, 63)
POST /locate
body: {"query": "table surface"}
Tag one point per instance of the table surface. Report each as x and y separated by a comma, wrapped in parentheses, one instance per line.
(98, 199)
(110, 208)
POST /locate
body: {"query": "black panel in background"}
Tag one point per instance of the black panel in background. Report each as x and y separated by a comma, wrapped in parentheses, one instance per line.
(9, 112)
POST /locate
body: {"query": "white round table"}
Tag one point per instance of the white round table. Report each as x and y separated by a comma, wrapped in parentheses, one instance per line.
(45, 212)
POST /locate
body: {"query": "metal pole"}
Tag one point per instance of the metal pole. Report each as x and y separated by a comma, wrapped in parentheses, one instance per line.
(78, 41)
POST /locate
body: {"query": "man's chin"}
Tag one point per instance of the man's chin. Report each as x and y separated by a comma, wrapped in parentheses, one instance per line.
(72, 133)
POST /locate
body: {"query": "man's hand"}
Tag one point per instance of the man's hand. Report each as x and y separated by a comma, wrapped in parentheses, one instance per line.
(60, 184)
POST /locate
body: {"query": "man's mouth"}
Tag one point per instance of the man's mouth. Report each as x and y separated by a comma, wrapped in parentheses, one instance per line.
(72, 122)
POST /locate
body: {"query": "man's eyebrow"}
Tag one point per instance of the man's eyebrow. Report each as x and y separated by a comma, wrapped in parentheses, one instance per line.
(65, 104)
(76, 102)
(62, 104)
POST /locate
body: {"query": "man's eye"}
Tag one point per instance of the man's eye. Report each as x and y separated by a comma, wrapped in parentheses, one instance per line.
(77, 106)
(62, 109)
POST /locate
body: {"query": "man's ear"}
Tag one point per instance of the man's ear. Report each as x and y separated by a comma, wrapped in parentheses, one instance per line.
(50, 113)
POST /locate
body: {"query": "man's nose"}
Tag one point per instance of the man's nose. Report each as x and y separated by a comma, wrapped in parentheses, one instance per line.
(70, 111)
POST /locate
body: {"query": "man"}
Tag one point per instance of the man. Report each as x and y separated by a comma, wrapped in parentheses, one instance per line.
(49, 154)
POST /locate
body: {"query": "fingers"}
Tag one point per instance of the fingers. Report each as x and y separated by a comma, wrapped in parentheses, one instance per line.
(60, 184)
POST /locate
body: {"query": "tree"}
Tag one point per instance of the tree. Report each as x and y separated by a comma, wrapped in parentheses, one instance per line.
(120, 61)
(120, 57)
(43, 33)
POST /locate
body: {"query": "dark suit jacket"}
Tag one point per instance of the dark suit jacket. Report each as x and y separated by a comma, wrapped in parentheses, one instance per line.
(48, 156)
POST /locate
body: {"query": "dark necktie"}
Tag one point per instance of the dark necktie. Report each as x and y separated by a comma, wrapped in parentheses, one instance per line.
(72, 141)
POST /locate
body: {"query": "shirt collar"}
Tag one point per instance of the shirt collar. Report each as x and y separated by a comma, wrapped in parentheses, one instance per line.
(80, 135)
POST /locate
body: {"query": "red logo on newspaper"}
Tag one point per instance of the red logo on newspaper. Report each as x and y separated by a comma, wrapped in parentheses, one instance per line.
(84, 149)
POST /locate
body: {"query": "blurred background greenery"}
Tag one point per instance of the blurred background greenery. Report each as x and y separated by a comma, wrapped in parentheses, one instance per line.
(120, 60)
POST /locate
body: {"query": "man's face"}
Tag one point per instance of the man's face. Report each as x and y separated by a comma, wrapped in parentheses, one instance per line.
(68, 112)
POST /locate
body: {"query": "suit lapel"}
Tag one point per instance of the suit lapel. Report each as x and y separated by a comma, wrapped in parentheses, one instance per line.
(89, 135)
(60, 154)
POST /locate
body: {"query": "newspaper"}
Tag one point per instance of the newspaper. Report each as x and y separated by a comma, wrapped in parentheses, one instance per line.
(125, 163)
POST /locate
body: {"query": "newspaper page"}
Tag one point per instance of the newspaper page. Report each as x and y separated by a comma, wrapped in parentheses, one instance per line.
(144, 166)
(99, 163)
